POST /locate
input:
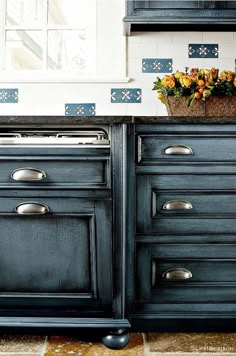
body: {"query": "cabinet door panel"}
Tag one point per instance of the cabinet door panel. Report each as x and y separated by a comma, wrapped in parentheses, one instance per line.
(47, 254)
(56, 255)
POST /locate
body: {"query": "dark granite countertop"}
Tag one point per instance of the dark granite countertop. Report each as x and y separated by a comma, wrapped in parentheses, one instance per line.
(53, 121)
(40, 121)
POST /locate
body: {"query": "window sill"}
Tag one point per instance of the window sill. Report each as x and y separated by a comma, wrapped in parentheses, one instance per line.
(59, 79)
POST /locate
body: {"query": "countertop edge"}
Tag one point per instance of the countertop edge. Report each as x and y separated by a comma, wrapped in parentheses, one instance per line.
(102, 120)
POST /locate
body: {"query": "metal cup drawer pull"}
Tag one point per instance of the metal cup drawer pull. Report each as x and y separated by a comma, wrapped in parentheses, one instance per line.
(177, 205)
(31, 208)
(177, 274)
(178, 150)
(28, 174)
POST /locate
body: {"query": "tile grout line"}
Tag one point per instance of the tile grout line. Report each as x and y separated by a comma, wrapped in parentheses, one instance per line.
(44, 347)
(145, 345)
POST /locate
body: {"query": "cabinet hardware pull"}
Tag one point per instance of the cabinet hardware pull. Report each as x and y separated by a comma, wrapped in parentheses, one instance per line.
(31, 208)
(177, 205)
(177, 274)
(178, 150)
(28, 174)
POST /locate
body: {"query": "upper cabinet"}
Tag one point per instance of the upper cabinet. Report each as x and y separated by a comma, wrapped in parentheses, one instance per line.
(151, 15)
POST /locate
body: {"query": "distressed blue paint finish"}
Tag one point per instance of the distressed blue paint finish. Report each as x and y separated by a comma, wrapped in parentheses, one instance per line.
(126, 95)
(76, 212)
(200, 239)
(8, 95)
(203, 50)
(157, 65)
(80, 109)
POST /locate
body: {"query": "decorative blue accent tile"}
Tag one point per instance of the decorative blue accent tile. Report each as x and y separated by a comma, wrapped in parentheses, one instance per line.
(126, 95)
(157, 65)
(80, 109)
(203, 50)
(8, 96)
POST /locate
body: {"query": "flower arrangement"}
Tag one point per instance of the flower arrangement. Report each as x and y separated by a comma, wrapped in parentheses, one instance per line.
(196, 84)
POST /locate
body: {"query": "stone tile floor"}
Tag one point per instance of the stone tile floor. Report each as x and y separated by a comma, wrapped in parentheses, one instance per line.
(151, 344)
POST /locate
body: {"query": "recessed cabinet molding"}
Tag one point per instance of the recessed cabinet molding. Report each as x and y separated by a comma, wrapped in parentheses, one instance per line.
(181, 15)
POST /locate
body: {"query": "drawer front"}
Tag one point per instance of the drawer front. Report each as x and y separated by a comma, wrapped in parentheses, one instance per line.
(186, 273)
(185, 206)
(82, 172)
(154, 149)
(54, 248)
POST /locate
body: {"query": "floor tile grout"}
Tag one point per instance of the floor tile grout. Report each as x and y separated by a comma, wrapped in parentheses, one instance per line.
(145, 345)
(44, 348)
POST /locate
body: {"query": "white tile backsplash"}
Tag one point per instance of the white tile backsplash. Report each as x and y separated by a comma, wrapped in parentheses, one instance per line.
(174, 45)
(189, 37)
(156, 37)
(224, 37)
(137, 50)
(227, 50)
(50, 99)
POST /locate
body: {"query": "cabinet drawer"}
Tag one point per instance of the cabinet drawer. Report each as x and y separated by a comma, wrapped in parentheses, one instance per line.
(32, 172)
(186, 273)
(154, 149)
(185, 206)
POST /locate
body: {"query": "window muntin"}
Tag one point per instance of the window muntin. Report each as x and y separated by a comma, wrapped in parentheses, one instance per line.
(48, 36)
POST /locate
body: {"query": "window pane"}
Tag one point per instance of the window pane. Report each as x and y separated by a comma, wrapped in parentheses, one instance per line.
(67, 49)
(24, 12)
(24, 50)
(68, 12)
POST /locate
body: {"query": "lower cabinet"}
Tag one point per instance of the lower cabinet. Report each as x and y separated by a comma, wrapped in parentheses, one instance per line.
(141, 234)
(181, 226)
(57, 252)
(62, 234)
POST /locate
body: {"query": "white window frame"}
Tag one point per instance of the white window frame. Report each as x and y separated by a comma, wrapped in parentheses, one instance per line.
(102, 26)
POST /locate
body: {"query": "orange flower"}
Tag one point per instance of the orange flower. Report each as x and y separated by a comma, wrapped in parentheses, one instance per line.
(185, 81)
(208, 75)
(178, 74)
(215, 73)
(168, 81)
(194, 74)
(197, 95)
(200, 82)
(227, 75)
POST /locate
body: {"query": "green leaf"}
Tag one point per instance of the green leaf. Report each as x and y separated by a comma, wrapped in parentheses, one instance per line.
(190, 101)
(163, 100)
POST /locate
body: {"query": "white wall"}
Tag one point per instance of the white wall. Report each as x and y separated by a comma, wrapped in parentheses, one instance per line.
(50, 99)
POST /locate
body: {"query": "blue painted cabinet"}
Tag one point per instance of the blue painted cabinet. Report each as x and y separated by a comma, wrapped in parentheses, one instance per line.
(56, 229)
(181, 227)
(140, 233)
(58, 234)
(56, 258)
(182, 15)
